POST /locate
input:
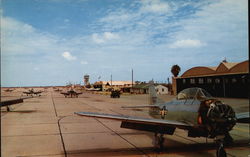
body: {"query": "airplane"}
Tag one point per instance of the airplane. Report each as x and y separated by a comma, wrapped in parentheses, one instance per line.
(71, 93)
(31, 92)
(194, 110)
(8, 90)
(58, 90)
(93, 89)
(8, 103)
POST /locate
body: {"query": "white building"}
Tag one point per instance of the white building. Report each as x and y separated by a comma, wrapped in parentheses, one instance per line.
(160, 89)
(117, 85)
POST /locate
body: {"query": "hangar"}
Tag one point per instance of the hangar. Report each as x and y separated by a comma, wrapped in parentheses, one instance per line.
(225, 80)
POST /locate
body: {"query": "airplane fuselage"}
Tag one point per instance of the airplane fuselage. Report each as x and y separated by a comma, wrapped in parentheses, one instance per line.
(185, 111)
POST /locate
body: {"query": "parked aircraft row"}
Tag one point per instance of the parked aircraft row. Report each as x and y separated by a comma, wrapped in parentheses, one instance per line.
(194, 110)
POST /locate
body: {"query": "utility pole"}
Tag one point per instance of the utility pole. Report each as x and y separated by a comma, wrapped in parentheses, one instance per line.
(111, 80)
(132, 80)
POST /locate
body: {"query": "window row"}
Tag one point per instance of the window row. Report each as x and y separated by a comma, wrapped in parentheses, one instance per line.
(213, 80)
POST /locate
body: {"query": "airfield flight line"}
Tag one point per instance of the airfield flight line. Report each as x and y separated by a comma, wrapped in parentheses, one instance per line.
(51, 128)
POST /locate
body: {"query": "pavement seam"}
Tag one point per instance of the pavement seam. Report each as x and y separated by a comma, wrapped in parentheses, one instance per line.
(123, 138)
(59, 126)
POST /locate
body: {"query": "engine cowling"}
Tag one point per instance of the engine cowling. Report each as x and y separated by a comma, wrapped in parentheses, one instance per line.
(220, 118)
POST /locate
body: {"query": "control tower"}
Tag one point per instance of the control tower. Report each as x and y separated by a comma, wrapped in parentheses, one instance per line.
(86, 79)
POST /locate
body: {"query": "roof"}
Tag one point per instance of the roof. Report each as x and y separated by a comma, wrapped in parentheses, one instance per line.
(141, 86)
(229, 65)
(160, 85)
(222, 68)
(121, 83)
(212, 68)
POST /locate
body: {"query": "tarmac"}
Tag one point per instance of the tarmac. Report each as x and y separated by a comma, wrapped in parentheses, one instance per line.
(46, 126)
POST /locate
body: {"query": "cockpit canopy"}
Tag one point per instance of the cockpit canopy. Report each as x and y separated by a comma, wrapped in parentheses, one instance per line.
(193, 93)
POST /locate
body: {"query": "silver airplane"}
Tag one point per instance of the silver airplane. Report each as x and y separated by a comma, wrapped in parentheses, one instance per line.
(71, 93)
(31, 92)
(194, 110)
(8, 90)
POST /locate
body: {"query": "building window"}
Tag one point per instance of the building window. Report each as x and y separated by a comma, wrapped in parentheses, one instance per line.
(209, 80)
(192, 81)
(234, 80)
(226, 80)
(217, 80)
(243, 80)
(184, 81)
(162, 90)
(201, 81)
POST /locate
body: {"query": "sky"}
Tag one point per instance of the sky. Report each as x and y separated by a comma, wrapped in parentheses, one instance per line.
(53, 42)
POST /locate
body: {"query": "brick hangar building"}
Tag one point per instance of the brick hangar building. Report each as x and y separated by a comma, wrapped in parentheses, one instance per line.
(225, 80)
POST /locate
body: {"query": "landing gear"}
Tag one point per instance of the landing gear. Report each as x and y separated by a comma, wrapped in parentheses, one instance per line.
(220, 147)
(228, 139)
(158, 142)
(221, 152)
(8, 109)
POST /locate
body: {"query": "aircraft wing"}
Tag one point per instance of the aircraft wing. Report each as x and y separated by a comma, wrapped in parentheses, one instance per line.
(141, 106)
(10, 102)
(65, 93)
(138, 123)
(243, 117)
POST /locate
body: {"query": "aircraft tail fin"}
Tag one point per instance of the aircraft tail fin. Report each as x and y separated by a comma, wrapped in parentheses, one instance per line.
(152, 95)
(153, 99)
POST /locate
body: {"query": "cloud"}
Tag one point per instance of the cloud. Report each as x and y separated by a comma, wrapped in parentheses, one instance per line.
(104, 37)
(155, 6)
(36, 68)
(110, 36)
(188, 43)
(66, 20)
(148, 35)
(68, 56)
(20, 38)
(97, 39)
(84, 62)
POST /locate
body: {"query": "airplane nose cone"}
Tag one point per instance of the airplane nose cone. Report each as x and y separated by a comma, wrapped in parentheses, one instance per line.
(221, 118)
